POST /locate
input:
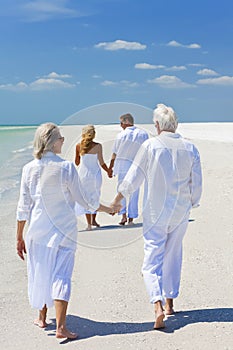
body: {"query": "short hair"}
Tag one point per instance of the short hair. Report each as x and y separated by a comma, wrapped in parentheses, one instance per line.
(127, 117)
(45, 137)
(166, 117)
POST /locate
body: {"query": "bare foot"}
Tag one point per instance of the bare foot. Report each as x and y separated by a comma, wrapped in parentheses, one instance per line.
(94, 223)
(159, 321)
(122, 222)
(169, 307)
(40, 323)
(130, 223)
(64, 333)
(169, 311)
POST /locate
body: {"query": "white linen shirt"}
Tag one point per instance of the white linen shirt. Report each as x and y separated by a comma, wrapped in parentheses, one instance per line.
(170, 166)
(126, 146)
(50, 186)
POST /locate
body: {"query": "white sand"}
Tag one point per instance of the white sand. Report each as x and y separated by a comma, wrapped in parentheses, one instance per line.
(109, 306)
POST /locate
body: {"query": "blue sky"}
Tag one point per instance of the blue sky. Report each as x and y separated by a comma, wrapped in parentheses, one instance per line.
(58, 57)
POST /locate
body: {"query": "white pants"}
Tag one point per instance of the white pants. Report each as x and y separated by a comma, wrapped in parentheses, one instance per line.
(132, 208)
(162, 261)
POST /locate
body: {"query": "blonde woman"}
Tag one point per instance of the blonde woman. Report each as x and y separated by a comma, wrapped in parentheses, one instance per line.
(50, 186)
(89, 157)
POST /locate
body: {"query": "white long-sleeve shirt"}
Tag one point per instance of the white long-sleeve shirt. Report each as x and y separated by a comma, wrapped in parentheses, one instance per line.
(49, 189)
(171, 168)
(126, 146)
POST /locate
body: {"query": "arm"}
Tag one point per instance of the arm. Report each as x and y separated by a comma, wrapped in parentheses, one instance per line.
(23, 214)
(196, 180)
(111, 165)
(21, 249)
(101, 159)
(114, 208)
(134, 177)
(77, 154)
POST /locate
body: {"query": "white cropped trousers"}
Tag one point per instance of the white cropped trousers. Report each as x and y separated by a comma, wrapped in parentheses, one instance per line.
(132, 208)
(162, 260)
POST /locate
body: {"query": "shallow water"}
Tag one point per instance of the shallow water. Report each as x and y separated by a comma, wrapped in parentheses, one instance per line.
(15, 151)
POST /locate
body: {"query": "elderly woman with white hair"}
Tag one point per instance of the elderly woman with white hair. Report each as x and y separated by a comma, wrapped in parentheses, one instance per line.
(170, 166)
(50, 187)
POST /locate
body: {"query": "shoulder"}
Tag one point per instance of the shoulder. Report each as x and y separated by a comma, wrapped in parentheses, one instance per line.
(141, 132)
(32, 164)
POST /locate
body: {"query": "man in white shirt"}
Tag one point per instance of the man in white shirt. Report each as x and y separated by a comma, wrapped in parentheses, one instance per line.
(170, 166)
(125, 148)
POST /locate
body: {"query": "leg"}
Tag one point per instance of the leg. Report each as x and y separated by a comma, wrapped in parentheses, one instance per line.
(61, 289)
(172, 265)
(62, 331)
(154, 247)
(94, 223)
(133, 207)
(89, 221)
(169, 306)
(123, 220)
(41, 321)
(123, 202)
(159, 319)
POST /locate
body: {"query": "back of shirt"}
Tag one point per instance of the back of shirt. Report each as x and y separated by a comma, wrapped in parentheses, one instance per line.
(126, 147)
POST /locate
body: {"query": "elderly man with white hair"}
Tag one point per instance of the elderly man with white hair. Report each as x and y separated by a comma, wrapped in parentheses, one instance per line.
(170, 166)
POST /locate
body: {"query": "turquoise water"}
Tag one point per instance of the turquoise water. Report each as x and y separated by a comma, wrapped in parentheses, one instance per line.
(15, 151)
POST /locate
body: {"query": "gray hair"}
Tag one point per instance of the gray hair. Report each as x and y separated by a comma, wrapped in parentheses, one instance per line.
(166, 117)
(127, 117)
(45, 137)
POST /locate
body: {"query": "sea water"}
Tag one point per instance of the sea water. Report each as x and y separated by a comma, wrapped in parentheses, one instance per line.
(15, 151)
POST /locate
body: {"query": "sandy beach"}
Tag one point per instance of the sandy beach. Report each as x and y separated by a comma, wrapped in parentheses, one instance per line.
(109, 306)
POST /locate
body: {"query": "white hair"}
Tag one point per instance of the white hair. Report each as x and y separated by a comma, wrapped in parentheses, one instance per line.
(166, 117)
(45, 137)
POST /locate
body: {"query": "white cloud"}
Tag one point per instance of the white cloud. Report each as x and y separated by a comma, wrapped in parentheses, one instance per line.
(177, 44)
(223, 81)
(39, 84)
(170, 82)
(148, 66)
(176, 68)
(49, 84)
(121, 83)
(195, 64)
(207, 72)
(96, 76)
(127, 83)
(21, 86)
(120, 45)
(55, 75)
(109, 83)
(40, 10)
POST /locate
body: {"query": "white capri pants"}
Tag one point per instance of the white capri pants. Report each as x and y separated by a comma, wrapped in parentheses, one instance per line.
(133, 201)
(162, 261)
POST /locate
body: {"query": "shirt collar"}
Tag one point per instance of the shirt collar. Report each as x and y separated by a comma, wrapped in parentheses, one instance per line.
(49, 154)
(170, 134)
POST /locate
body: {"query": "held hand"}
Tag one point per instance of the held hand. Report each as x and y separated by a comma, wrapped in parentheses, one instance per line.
(110, 173)
(21, 249)
(115, 207)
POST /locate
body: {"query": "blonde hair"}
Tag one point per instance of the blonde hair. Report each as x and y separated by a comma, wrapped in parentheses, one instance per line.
(88, 134)
(45, 137)
(166, 117)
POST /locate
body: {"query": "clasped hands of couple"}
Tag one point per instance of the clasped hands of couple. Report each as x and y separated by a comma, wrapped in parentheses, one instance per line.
(115, 206)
